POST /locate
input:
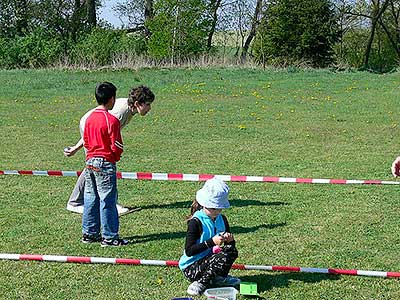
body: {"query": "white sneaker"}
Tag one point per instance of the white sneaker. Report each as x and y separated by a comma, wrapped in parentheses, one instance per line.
(196, 288)
(122, 210)
(75, 209)
(79, 209)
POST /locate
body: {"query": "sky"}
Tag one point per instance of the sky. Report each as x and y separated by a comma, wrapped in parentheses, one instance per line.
(107, 13)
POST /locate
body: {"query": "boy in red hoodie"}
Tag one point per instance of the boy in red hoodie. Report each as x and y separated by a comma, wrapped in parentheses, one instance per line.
(103, 142)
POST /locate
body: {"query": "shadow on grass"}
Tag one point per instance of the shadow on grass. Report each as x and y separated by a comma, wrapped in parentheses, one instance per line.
(233, 202)
(241, 229)
(182, 234)
(266, 282)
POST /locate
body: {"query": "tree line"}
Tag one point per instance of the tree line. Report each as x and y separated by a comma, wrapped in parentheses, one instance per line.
(319, 33)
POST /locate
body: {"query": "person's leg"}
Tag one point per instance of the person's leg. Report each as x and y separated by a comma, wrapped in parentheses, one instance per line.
(226, 259)
(91, 214)
(209, 267)
(195, 273)
(75, 202)
(107, 189)
(76, 198)
(222, 264)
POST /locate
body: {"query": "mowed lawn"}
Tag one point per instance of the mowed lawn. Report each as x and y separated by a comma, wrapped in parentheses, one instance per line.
(290, 123)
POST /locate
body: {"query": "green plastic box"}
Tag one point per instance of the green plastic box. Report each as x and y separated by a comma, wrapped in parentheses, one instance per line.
(248, 288)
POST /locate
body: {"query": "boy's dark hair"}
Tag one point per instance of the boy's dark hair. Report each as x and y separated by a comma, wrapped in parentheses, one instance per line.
(104, 92)
(141, 94)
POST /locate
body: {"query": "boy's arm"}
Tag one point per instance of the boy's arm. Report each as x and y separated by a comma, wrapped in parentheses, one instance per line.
(117, 146)
(69, 151)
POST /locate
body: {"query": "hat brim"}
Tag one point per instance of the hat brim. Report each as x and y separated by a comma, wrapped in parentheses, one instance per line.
(204, 200)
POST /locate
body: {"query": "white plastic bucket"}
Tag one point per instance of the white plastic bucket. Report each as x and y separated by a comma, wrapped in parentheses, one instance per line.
(223, 293)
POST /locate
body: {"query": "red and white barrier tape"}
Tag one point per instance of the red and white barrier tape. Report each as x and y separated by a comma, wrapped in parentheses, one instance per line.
(202, 177)
(173, 263)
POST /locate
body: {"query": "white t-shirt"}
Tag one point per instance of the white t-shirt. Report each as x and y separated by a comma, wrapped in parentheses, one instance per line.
(120, 110)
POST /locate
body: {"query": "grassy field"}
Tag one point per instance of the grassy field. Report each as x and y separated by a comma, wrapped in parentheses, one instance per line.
(288, 123)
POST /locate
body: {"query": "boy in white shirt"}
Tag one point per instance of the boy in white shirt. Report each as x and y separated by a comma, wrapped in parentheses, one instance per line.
(139, 101)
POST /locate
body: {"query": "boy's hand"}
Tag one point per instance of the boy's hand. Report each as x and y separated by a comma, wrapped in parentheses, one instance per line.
(69, 151)
(396, 167)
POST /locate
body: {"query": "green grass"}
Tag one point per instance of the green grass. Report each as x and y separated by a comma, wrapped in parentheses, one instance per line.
(222, 121)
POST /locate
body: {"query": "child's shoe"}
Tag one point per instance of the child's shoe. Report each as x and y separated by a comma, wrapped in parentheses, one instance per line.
(225, 281)
(196, 288)
(114, 243)
(88, 239)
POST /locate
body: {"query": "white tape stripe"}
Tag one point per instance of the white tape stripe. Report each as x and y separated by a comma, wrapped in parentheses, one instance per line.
(190, 177)
(372, 273)
(58, 258)
(224, 177)
(103, 260)
(355, 181)
(390, 182)
(11, 172)
(40, 173)
(69, 173)
(9, 256)
(255, 178)
(128, 175)
(321, 180)
(285, 179)
(256, 267)
(159, 176)
(153, 262)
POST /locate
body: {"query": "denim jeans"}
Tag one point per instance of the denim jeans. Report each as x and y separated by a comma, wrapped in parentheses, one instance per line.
(100, 198)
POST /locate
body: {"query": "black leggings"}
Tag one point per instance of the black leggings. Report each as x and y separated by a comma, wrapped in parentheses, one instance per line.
(207, 268)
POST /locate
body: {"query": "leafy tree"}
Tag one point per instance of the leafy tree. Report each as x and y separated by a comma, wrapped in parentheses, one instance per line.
(253, 29)
(138, 12)
(179, 29)
(91, 12)
(297, 30)
(214, 6)
(15, 17)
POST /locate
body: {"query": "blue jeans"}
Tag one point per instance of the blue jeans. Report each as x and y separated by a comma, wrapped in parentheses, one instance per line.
(100, 198)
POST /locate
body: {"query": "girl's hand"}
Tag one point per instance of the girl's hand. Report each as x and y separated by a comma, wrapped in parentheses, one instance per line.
(218, 240)
(228, 237)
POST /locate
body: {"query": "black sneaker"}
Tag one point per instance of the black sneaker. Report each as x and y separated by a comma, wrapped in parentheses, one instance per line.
(114, 243)
(88, 239)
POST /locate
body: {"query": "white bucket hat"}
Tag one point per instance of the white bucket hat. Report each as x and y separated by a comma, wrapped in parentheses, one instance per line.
(214, 194)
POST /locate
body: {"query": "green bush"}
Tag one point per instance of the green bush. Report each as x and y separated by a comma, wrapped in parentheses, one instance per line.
(295, 31)
(36, 49)
(99, 47)
(179, 30)
(350, 52)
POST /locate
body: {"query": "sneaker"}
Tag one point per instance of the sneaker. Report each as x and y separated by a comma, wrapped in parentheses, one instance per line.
(75, 209)
(79, 209)
(225, 281)
(122, 210)
(196, 288)
(88, 239)
(114, 243)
